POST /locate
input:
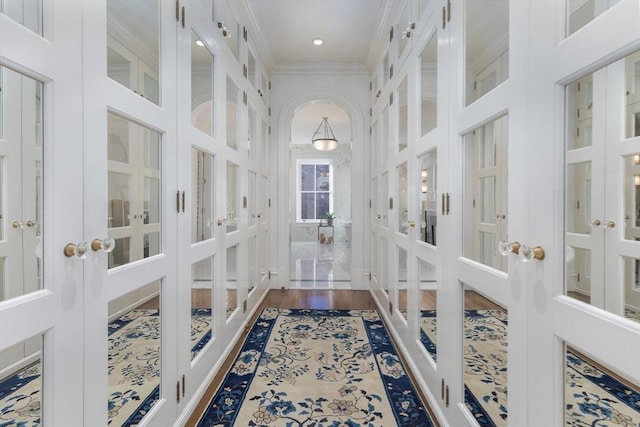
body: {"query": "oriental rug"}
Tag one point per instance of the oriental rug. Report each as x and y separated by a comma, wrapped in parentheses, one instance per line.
(593, 396)
(317, 368)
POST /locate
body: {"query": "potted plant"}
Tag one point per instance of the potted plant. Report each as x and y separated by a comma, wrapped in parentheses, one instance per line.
(330, 216)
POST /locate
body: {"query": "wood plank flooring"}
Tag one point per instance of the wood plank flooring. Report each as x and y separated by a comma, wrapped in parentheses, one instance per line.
(292, 298)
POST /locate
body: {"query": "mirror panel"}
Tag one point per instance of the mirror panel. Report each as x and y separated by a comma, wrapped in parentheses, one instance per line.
(374, 257)
(428, 307)
(386, 69)
(632, 288)
(581, 12)
(578, 200)
(252, 136)
(596, 394)
(202, 195)
(485, 193)
(21, 198)
(21, 377)
(233, 106)
(252, 264)
(384, 268)
(264, 258)
(402, 282)
(231, 283)
(429, 87)
(633, 94)
(134, 185)
(486, 29)
(133, 46)
(264, 144)
(428, 214)
(202, 278)
(134, 354)
(403, 116)
(403, 219)
(485, 344)
(202, 105)
(251, 200)
(385, 135)
(25, 12)
(251, 68)
(384, 203)
(233, 202)
(578, 273)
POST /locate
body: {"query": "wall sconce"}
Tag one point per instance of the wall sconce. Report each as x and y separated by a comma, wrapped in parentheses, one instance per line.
(636, 159)
(636, 180)
(424, 187)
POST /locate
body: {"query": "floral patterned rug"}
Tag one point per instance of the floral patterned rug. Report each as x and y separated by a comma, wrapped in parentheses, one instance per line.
(594, 398)
(133, 371)
(317, 368)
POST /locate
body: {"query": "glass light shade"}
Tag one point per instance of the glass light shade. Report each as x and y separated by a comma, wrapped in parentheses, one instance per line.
(325, 144)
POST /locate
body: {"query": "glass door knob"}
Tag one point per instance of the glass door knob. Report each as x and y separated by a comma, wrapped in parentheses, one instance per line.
(78, 250)
(505, 248)
(528, 253)
(107, 245)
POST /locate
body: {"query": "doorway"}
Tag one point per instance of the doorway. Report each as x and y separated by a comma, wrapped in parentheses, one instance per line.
(320, 199)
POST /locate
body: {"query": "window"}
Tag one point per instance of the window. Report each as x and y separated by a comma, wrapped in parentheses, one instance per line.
(314, 192)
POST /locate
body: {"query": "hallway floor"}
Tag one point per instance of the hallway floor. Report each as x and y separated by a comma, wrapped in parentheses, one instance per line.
(325, 266)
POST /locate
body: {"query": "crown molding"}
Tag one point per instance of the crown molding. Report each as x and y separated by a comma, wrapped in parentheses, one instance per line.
(322, 68)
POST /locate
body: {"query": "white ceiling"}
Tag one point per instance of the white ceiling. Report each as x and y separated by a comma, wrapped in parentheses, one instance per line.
(348, 28)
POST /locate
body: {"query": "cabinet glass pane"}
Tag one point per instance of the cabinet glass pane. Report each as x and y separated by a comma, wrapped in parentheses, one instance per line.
(252, 135)
(428, 307)
(201, 305)
(385, 135)
(385, 70)
(403, 220)
(384, 196)
(264, 144)
(632, 288)
(429, 87)
(581, 12)
(21, 162)
(202, 105)
(578, 273)
(264, 200)
(374, 257)
(233, 206)
(231, 283)
(251, 200)
(631, 191)
(375, 144)
(252, 264)
(384, 269)
(263, 255)
(596, 394)
(428, 214)
(232, 114)
(486, 29)
(25, 12)
(403, 116)
(485, 193)
(135, 190)
(21, 383)
(375, 208)
(251, 68)
(133, 46)
(402, 282)
(202, 195)
(578, 198)
(579, 96)
(485, 344)
(633, 94)
(134, 354)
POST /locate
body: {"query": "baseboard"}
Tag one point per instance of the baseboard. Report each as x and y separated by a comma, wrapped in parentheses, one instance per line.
(199, 393)
(431, 400)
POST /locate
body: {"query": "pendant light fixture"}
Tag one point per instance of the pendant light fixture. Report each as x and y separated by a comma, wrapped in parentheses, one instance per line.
(325, 141)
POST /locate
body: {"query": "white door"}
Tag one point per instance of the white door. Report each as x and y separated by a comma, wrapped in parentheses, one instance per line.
(41, 296)
(130, 132)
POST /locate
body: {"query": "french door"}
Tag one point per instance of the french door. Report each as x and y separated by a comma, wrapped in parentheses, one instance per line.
(41, 290)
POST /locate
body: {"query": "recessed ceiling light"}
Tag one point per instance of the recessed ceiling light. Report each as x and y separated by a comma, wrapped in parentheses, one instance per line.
(318, 42)
(199, 43)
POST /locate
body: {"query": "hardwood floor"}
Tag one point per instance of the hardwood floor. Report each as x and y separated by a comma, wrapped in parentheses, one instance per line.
(292, 298)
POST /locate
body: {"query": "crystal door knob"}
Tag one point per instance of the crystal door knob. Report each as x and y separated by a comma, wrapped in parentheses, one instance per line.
(609, 224)
(527, 253)
(505, 248)
(32, 224)
(594, 223)
(78, 250)
(107, 245)
(412, 224)
(17, 224)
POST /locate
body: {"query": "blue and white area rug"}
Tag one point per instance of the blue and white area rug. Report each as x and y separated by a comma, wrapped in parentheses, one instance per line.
(317, 368)
(593, 397)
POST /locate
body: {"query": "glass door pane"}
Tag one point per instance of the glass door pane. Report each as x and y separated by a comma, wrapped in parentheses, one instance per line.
(429, 87)
(428, 307)
(233, 106)
(486, 46)
(231, 283)
(403, 116)
(134, 354)
(403, 220)
(233, 205)
(202, 105)
(428, 213)
(202, 199)
(202, 304)
(133, 56)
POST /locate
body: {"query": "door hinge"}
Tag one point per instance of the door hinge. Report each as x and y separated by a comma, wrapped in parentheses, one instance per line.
(578, 277)
(178, 391)
(370, 276)
(390, 307)
(578, 87)
(244, 97)
(578, 132)
(442, 388)
(448, 10)
(269, 275)
(183, 385)
(578, 112)
(269, 201)
(370, 85)
(577, 204)
(269, 84)
(370, 112)
(245, 33)
(391, 71)
(269, 130)
(391, 98)
(448, 205)
(183, 13)
(183, 203)
(370, 130)
(444, 16)
(475, 85)
(391, 203)
(446, 397)
(269, 110)
(178, 201)
(473, 203)
(370, 203)
(244, 306)
(391, 35)
(177, 10)
(244, 70)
